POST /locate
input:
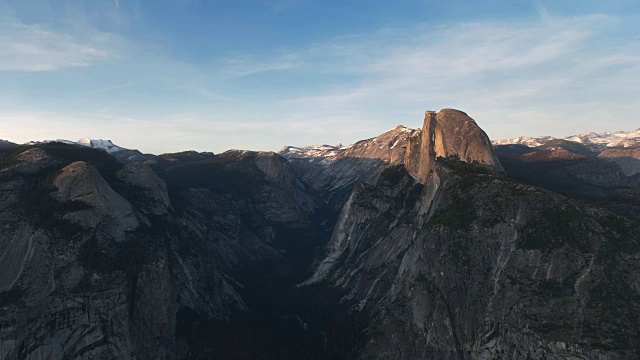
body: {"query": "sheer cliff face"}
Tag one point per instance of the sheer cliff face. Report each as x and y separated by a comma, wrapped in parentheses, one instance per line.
(448, 133)
(96, 261)
(448, 259)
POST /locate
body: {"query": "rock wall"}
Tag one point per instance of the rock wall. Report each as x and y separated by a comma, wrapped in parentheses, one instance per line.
(448, 133)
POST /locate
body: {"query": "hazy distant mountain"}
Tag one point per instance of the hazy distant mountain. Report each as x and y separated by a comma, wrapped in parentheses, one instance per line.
(123, 154)
(5, 143)
(597, 141)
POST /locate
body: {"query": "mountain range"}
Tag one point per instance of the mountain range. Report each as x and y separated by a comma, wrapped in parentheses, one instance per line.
(425, 243)
(597, 141)
(120, 153)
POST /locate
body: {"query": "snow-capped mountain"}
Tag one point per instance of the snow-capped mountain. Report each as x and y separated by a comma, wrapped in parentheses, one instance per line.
(339, 167)
(63, 141)
(598, 141)
(312, 152)
(123, 154)
(105, 145)
(101, 144)
(525, 140)
(370, 148)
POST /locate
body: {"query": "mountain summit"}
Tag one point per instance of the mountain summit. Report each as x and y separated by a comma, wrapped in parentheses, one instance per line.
(106, 145)
(448, 133)
(445, 133)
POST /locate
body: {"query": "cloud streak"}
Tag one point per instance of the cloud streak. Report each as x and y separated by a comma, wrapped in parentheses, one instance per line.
(559, 69)
(36, 48)
(120, 86)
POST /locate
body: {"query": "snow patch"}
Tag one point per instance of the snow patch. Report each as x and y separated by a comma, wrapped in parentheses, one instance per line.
(105, 145)
(600, 141)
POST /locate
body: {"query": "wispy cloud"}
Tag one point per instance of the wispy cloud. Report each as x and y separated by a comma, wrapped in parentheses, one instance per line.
(247, 65)
(119, 86)
(34, 47)
(555, 67)
(554, 75)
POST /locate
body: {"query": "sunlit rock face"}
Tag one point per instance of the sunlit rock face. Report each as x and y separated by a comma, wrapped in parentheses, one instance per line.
(333, 170)
(448, 133)
(446, 258)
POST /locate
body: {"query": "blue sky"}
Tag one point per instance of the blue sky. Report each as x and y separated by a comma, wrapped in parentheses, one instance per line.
(171, 75)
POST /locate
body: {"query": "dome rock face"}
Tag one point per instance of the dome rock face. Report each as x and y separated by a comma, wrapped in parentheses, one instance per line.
(447, 133)
(81, 182)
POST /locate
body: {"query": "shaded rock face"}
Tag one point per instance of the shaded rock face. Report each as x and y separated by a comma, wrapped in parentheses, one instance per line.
(595, 179)
(85, 274)
(627, 158)
(279, 171)
(239, 201)
(154, 188)
(31, 161)
(43, 312)
(81, 182)
(471, 265)
(448, 133)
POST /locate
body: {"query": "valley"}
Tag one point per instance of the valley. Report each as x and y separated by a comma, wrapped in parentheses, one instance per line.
(430, 242)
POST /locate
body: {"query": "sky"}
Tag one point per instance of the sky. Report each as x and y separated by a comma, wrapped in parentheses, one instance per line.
(171, 75)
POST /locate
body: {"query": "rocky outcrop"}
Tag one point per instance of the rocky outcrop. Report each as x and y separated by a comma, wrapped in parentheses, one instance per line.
(280, 172)
(627, 158)
(81, 182)
(141, 176)
(448, 133)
